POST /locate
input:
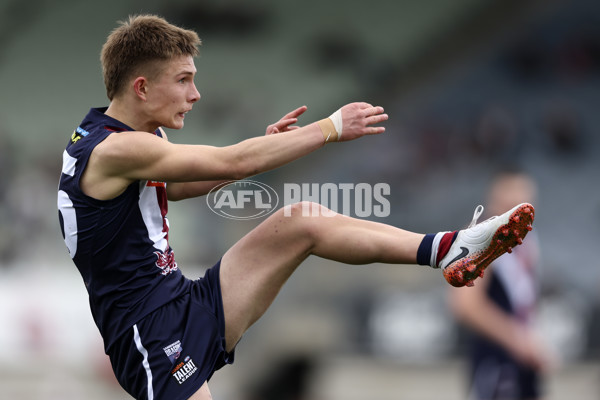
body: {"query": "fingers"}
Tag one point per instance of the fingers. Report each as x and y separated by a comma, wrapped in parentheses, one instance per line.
(361, 105)
(376, 119)
(271, 129)
(296, 113)
(282, 125)
(374, 130)
(370, 111)
(368, 108)
(374, 116)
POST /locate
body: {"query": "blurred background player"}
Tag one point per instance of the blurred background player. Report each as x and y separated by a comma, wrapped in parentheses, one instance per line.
(507, 357)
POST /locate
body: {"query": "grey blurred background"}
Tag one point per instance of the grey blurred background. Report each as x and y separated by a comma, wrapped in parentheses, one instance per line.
(470, 86)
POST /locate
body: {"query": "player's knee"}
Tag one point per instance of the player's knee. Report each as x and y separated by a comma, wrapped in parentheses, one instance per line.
(307, 218)
(307, 209)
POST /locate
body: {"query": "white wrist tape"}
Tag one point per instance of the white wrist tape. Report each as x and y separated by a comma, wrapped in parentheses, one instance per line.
(332, 127)
(336, 118)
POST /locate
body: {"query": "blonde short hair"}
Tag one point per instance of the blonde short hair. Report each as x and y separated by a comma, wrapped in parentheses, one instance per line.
(139, 45)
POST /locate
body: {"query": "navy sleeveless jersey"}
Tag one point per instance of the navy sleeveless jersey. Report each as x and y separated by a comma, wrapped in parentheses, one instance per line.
(120, 246)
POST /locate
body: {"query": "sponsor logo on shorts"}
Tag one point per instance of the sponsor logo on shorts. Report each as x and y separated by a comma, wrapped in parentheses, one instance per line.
(173, 351)
(184, 370)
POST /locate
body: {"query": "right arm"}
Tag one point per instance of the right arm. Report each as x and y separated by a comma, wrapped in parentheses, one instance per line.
(124, 157)
(185, 190)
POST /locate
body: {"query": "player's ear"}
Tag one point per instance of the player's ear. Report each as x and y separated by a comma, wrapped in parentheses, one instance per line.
(140, 85)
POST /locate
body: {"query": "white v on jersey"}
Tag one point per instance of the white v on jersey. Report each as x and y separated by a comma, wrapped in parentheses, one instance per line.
(120, 246)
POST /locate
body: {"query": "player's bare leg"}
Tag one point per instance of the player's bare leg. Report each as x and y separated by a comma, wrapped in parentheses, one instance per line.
(255, 268)
(202, 394)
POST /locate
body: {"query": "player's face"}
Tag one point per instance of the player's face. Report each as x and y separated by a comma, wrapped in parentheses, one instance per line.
(172, 93)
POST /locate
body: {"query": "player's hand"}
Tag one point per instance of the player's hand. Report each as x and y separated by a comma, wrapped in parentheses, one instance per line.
(358, 120)
(286, 122)
(529, 349)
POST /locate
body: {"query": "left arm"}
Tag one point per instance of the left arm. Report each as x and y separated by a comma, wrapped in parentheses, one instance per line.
(185, 190)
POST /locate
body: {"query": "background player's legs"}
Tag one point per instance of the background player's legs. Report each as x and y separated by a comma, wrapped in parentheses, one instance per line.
(255, 268)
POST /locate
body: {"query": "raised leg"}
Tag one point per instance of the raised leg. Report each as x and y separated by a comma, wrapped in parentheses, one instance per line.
(255, 268)
(202, 394)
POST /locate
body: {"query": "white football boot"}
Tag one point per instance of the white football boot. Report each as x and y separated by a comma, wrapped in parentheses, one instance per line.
(480, 244)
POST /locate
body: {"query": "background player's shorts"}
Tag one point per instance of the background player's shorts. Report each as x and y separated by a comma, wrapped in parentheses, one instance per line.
(171, 352)
(497, 378)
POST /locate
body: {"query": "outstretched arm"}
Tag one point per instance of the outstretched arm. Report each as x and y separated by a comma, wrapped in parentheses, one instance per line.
(185, 190)
(125, 157)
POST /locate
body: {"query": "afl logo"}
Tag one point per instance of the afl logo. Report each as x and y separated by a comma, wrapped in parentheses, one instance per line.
(242, 200)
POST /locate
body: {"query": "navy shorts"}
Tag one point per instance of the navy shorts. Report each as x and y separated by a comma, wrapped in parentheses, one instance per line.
(170, 353)
(497, 378)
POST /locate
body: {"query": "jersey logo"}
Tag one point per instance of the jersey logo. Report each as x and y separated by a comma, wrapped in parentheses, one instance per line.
(156, 184)
(166, 262)
(78, 134)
